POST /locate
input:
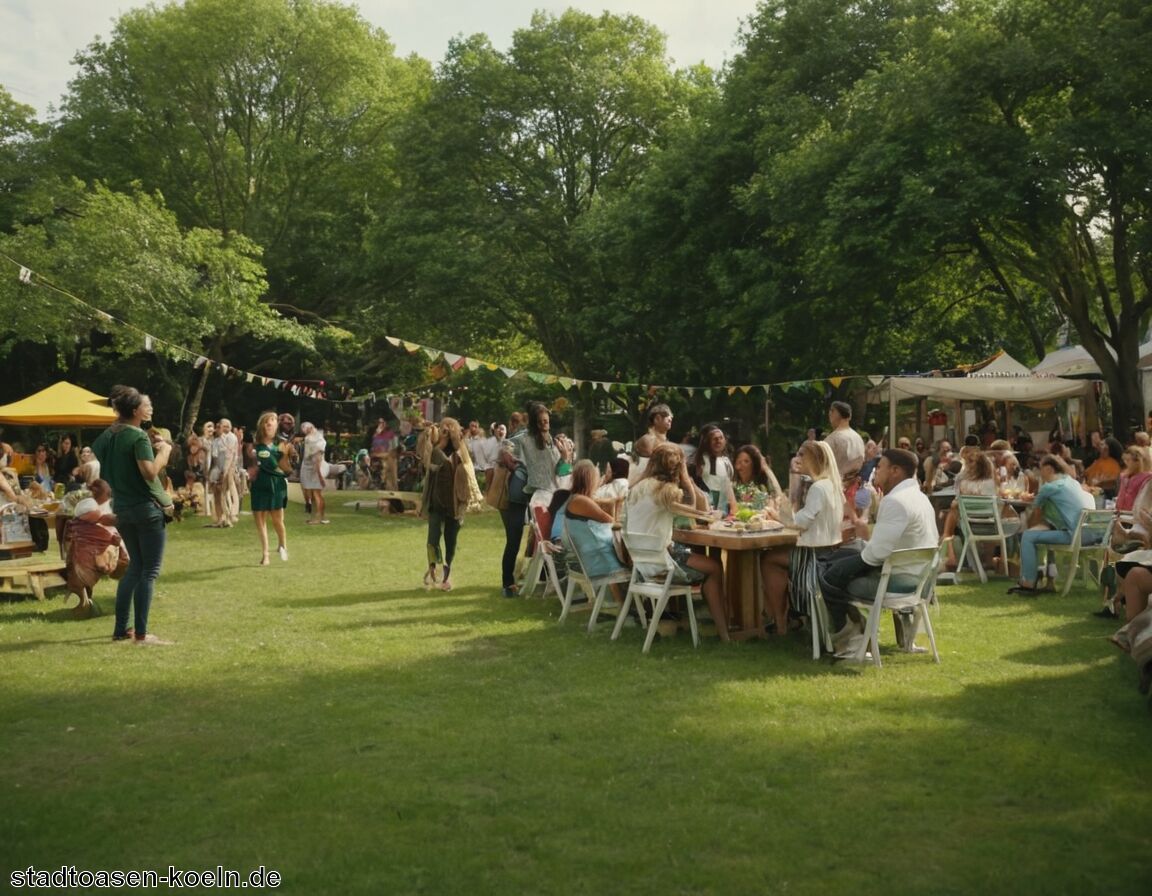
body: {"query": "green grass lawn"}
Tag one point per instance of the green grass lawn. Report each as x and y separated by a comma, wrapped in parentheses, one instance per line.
(329, 719)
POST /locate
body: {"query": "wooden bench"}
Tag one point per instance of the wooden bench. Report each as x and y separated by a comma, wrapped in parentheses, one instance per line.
(24, 576)
(384, 499)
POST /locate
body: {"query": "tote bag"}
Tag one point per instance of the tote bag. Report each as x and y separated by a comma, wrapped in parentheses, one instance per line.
(496, 495)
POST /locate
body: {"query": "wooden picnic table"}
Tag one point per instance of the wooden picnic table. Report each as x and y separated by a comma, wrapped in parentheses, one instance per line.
(741, 571)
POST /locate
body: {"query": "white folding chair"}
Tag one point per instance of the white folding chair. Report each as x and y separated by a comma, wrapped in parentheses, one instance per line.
(542, 565)
(818, 619)
(924, 563)
(981, 521)
(656, 584)
(596, 587)
(819, 622)
(1091, 539)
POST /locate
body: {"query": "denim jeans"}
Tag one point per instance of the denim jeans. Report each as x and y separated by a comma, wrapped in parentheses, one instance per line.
(514, 517)
(1029, 550)
(142, 528)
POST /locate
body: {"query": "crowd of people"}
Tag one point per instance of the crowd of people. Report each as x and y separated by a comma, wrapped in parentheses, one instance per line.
(851, 501)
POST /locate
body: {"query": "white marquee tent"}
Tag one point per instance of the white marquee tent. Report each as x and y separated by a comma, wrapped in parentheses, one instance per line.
(1002, 379)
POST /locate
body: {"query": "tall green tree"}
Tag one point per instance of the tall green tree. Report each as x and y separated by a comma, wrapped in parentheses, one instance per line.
(266, 118)
(128, 262)
(1003, 142)
(504, 164)
(21, 145)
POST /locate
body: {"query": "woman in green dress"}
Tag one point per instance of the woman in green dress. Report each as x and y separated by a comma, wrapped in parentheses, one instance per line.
(270, 489)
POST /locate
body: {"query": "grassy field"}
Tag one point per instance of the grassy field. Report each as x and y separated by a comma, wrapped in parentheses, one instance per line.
(329, 719)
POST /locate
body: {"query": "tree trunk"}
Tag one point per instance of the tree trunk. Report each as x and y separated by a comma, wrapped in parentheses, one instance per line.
(192, 406)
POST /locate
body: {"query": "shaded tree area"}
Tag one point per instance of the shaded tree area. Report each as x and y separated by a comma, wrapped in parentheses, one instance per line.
(867, 187)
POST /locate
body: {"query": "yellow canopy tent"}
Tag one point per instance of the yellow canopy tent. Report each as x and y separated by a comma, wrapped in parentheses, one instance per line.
(60, 405)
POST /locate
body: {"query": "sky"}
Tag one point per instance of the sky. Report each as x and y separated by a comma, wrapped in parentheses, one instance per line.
(38, 38)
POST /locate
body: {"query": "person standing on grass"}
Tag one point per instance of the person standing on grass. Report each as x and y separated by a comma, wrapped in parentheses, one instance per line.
(131, 463)
(445, 499)
(270, 490)
(848, 448)
(312, 472)
(659, 417)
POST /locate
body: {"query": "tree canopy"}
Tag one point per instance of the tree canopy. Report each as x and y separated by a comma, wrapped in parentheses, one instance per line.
(868, 186)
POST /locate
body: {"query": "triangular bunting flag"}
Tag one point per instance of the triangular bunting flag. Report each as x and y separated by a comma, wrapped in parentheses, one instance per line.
(745, 389)
(508, 372)
(473, 364)
(394, 341)
(836, 381)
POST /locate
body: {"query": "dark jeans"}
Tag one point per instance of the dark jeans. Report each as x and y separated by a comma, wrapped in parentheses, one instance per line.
(514, 520)
(837, 574)
(142, 528)
(845, 577)
(442, 522)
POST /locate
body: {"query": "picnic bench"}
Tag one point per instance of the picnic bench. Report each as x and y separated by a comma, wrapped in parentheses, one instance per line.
(386, 496)
(31, 575)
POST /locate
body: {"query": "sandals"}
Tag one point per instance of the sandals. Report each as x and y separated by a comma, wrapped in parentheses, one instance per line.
(430, 579)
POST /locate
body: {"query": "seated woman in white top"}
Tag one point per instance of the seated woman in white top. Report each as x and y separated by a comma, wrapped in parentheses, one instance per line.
(793, 570)
(664, 491)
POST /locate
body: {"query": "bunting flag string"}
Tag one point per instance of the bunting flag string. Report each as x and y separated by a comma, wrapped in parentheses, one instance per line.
(449, 362)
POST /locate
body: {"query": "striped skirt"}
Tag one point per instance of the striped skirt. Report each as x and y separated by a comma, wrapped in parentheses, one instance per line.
(803, 576)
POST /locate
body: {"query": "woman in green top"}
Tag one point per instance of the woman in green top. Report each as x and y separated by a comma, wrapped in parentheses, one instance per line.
(130, 462)
(270, 490)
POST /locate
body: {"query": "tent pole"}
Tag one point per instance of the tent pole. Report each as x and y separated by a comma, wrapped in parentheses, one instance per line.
(892, 437)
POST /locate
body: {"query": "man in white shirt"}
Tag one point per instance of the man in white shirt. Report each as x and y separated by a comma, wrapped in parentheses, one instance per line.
(848, 449)
(477, 450)
(659, 418)
(905, 519)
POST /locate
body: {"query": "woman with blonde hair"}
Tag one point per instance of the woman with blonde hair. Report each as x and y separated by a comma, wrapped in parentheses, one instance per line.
(312, 471)
(270, 489)
(663, 491)
(445, 498)
(793, 570)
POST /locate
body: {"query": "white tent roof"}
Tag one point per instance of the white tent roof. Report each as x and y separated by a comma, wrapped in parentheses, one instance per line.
(1003, 379)
(1074, 360)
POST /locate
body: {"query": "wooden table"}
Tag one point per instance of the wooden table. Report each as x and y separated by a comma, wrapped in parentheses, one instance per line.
(741, 571)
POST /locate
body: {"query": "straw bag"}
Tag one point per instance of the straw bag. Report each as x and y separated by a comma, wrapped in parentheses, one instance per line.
(496, 494)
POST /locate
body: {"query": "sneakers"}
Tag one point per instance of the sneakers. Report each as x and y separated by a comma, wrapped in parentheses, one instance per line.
(852, 646)
(151, 640)
(283, 552)
(842, 637)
